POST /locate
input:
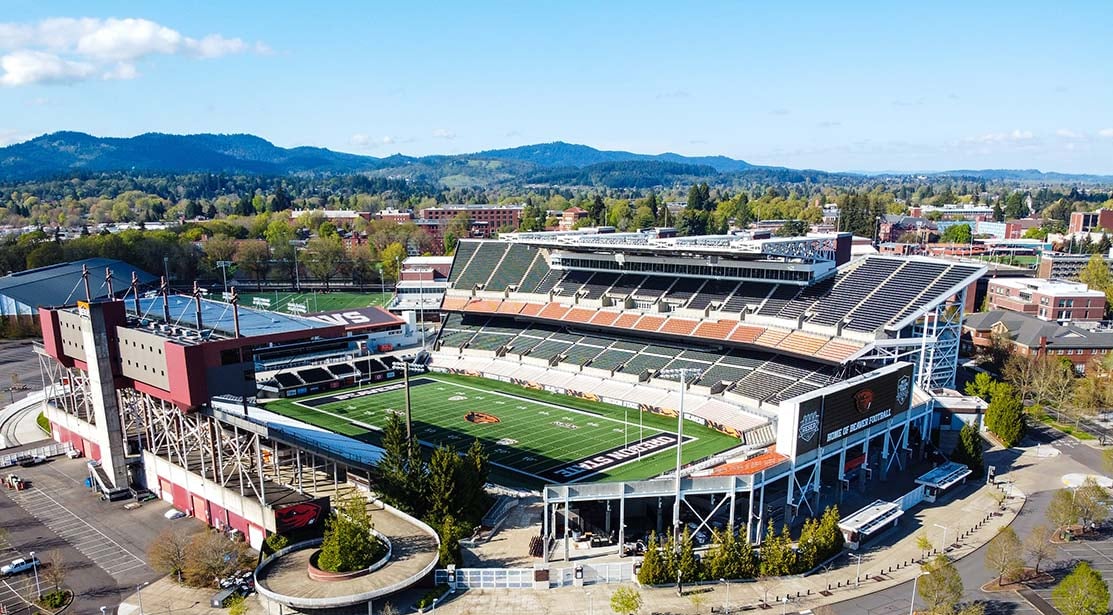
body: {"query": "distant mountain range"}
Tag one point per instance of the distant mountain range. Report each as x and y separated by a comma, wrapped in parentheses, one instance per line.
(68, 153)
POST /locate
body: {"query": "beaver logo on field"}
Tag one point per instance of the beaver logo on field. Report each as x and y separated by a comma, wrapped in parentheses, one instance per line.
(863, 400)
(480, 417)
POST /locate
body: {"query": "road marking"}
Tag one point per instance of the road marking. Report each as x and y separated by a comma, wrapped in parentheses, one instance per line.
(78, 532)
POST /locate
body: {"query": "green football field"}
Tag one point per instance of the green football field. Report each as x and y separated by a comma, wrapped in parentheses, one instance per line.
(533, 437)
(319, 301)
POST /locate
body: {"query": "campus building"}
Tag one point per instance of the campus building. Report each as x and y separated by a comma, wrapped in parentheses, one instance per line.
(1091, 221)
(1030, 336)
(1054, 300)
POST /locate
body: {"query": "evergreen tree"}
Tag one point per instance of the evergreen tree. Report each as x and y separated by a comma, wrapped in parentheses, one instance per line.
(348, 543)
(807, 551)
(998, 212)
(777, 556)
(686, 563)
(394, 464)
(969, 449)
(449, 550)
(1005, 415)
(597, 211)
(444, 473)
(471, 479)
(652, 571)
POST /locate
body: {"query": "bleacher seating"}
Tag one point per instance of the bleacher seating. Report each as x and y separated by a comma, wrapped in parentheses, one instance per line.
(489, 341)
(548, 349)
(482, 264)
(644, 362)
(547, 283)
(464, 251)
(513, 267)
(538, 271)
(748, 293)
(683, 290)
(578, 355)
(653, 287)
(949, 279)
(761, 386)
(287, 380)
(341, 369)
(891, 298)
(599, 283)
(852, 288)
(314, 375)
(777, 300)
(571, 282)
(722, 373)
(610, 359)
(625, 285)
(714, 291)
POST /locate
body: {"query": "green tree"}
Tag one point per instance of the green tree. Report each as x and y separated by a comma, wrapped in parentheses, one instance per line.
(444, 471)
(1003, 554)
(777, 556)
(391, 259)
(686, 561)
(957, 233)
(941, 586)
(1082, 592)
(1096, 275)
(1092, 503)
(923, 543)
(394, 465)
(981, 386)
(731, 558)
(254, 257)
(325, 258)
(652, 571)
(969, 449)
(626, 600)
(792, 228)
(457, 228)
(1038, 546)
(1061, 511)
(1005, 415)
(473, 475)
(449, 550)
(807, 548)
(349, 544)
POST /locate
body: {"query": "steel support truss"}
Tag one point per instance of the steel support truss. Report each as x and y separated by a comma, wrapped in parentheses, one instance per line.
(931, 345)
(70, 392)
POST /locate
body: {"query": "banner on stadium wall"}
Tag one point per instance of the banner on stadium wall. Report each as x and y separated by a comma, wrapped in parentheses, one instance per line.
(301, 515)
(852, 407)
(585, 396)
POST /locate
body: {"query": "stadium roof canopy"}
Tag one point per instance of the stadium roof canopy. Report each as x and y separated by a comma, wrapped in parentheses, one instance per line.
(217, 316)
(24, 292)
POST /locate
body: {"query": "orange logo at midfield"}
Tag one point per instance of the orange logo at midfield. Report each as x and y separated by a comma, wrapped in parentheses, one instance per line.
(480, 417)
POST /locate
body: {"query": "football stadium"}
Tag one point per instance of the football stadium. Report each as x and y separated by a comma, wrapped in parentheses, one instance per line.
(633, 381)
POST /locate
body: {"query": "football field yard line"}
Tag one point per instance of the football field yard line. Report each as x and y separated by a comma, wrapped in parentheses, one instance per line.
(552, 446)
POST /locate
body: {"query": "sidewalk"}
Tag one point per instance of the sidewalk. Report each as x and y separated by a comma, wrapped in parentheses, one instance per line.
(890, 562)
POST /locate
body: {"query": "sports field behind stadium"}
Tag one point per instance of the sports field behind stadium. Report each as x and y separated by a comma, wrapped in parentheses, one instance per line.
(318, 301)
(533, 437)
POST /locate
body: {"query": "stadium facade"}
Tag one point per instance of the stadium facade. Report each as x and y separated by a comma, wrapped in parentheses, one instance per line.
(822, 367)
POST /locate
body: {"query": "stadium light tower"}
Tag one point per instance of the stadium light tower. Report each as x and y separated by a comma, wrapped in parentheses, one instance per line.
(684, 375)
(405, 367)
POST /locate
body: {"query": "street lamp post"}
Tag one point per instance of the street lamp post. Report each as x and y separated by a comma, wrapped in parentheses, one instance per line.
(682, 374)
(434, 609)
(944, 528)
(297, 274)
(139, 595)
(912, 602)
(858, 571)
(726, 606)
(35, 567)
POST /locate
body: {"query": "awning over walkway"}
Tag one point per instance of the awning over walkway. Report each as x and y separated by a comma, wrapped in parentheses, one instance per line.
(871, 518)
(944, 476)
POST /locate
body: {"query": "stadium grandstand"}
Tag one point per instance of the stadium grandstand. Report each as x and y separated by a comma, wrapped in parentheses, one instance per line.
(821, 366)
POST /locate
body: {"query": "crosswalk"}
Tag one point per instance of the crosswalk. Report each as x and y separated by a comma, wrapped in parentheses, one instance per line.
(105, 552)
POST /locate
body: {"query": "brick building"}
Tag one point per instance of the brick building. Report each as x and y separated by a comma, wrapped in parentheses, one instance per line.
(1031, 336)
(1091, 221)
(1054, 300)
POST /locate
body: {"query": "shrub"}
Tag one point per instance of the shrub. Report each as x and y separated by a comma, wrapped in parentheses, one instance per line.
(54, 599)
(349, 544)
(275, 542)
(426, 601)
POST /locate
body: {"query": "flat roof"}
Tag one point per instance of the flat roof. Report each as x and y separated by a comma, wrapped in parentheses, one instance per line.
(871, 517)
(1051, 287)
(217, 316)
(944, 476)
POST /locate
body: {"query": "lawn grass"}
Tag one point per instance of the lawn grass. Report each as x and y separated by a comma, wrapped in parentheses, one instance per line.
(1067, 429)
(319, 301)
(536, 430)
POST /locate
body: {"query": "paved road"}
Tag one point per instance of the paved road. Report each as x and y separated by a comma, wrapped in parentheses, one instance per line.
(104, 545)
(895, 600)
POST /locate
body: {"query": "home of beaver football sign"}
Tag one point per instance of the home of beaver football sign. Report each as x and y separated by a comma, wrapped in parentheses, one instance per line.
(853, 406)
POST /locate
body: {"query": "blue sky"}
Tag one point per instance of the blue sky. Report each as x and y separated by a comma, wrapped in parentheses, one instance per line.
(868, 86)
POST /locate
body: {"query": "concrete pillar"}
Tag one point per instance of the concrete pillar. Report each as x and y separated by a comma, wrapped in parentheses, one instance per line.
(96, 332)
(621, 521)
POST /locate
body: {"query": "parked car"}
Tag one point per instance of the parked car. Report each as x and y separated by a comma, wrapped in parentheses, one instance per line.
(18, 566)
(173, 513)
(31, 460)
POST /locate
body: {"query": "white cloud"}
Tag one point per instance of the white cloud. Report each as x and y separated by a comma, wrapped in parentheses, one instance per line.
(364, 141)
(25, 67)
(1067, 134)
(1006, 137)
(1106, 132)
(65, 49)
(444, 133)
(9, 137)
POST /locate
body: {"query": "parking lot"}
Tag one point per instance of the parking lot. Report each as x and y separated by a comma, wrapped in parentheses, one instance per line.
(15, 591)
(1097, 551)
(103, 543)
